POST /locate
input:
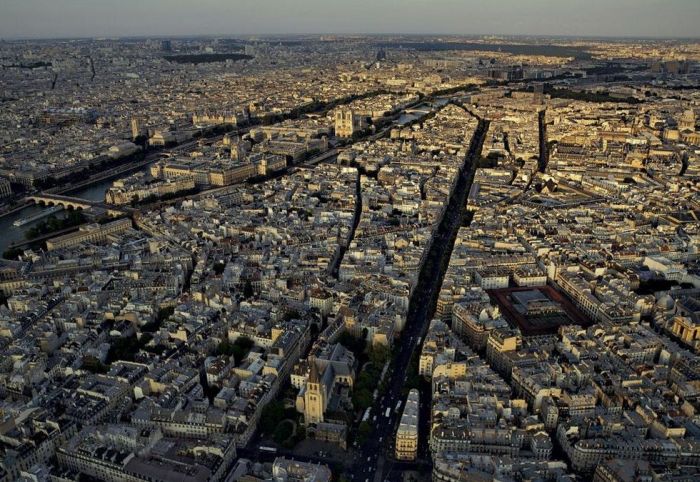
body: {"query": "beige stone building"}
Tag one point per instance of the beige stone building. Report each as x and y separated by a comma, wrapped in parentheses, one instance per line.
(347, 123)
(93, 233)
(407, 434)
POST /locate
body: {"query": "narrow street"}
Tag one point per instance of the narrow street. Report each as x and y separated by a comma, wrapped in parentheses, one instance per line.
(334, 266)
(544, 148)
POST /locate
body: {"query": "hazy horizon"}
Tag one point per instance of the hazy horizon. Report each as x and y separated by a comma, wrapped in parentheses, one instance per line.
(46, 19)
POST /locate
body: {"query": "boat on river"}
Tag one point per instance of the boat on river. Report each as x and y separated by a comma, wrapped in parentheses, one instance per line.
(42, 214)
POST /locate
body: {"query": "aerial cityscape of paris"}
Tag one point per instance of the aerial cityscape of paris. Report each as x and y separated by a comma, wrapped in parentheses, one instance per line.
(359, 241)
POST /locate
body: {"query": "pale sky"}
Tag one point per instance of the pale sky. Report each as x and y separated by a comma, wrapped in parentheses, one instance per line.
(108, 18)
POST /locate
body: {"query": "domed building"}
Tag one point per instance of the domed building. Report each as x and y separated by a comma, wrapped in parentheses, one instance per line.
(687, 121)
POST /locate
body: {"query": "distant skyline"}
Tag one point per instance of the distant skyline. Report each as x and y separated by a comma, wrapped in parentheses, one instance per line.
(128, 18)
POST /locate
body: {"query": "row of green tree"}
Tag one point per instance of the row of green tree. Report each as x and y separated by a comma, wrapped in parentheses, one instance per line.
(374, 358)
(101, 163)
(282, 424)
(151, 198)
(239, 349)
(53, 224)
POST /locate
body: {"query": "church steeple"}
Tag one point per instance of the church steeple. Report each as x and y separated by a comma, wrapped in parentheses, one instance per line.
(313, 373)
(314, 398)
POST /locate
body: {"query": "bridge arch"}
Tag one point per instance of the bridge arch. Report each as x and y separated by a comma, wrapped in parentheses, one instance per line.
(65, 202)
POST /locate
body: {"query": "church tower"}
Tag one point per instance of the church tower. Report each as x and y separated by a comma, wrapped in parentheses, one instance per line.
(135, 128)
(314, 397)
